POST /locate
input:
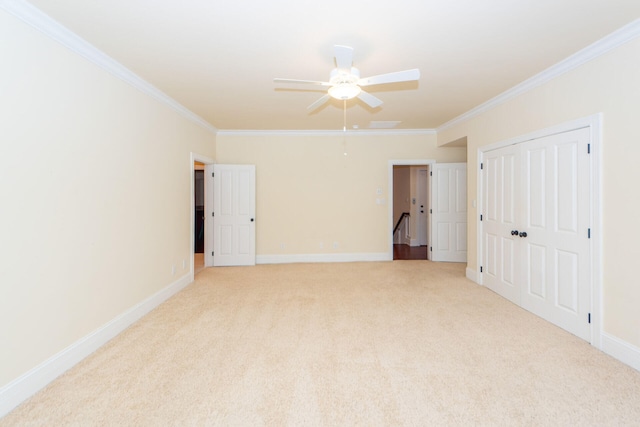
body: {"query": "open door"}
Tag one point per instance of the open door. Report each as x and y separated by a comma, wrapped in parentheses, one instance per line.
(208, 217)
(449, 217)
(234, 205)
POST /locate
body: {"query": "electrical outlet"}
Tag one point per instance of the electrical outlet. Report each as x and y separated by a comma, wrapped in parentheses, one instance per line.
(173, 270)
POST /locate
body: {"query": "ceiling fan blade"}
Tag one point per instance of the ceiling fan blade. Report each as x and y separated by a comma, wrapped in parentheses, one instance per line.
(311, 82)
(319, 102)
(398, 76)
(369, 99)
(344, 57)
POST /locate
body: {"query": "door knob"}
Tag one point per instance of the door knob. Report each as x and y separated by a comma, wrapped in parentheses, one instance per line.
(514, 232)
(251, 219)
(523, 234)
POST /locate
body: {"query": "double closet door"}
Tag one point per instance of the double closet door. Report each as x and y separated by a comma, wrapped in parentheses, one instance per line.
(535, 227)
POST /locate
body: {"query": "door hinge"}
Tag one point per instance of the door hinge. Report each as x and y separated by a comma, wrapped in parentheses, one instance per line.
(430, 211)
(589, 317)
(213, 174)
(588, 148)
(480, 269)
(431, 248)
(430, 173)
(588, 233)
(481, 165)
(480, 217)
(211, 253)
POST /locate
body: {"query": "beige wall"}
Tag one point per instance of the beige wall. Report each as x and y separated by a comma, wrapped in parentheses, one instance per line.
(609, 85)
(95, 195)
(310, 195)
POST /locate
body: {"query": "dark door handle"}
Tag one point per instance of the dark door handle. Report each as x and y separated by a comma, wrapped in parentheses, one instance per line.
(523, 234)
(514, 232)
(251, 219)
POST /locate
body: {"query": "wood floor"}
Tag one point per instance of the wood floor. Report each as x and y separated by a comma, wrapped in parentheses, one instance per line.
(409, 252)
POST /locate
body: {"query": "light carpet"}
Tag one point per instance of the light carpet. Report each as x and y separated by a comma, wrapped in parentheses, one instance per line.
(373, 344)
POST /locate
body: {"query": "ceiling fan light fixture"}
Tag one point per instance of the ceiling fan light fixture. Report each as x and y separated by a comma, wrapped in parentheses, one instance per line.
(344, 91)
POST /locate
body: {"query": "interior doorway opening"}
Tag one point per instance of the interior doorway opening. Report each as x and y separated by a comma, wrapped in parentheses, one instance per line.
(201, 207)
(410, 212)
(409, 224)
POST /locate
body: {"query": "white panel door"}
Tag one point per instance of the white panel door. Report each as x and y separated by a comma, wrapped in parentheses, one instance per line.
(535, 227)
(208, 217)
(500, 200)
(234, 215)
(449, 216)
(556, 280)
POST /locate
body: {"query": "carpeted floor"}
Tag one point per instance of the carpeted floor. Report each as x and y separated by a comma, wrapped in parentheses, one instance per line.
(389, 343)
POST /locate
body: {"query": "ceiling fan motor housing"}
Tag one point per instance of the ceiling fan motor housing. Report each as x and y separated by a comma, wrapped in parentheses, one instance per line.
(344, 83)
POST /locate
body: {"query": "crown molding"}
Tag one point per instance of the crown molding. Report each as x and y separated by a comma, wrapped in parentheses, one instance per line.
(37, 19)
(593, 51)
(377, 132)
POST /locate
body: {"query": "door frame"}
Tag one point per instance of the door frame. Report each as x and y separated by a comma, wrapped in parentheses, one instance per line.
(208, 207)
(390, 224)
(594, 123)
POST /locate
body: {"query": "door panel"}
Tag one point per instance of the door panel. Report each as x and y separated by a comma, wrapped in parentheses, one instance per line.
(563, 231)
(449, 193)
(500, 197)
(234, 219)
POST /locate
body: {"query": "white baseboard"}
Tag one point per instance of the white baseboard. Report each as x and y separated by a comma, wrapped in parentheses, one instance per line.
(471, 275)
(355, 257)
(621, 350)
(25, 386)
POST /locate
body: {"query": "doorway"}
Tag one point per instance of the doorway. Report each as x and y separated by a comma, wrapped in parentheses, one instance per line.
(201, 202)
(410, 202)
(198, 229)
(405, 198)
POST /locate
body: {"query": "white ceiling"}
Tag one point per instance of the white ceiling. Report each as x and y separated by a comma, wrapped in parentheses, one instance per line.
(218, 58)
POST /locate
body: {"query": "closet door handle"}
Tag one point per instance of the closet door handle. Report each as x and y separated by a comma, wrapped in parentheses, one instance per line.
(523, 234)
(514, 232)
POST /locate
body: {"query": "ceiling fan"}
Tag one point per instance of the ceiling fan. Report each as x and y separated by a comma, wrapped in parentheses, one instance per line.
(345, 82)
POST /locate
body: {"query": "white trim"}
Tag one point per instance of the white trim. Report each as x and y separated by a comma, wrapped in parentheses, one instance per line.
(594, 122)
(593, 51)
(25, 386)
(317, 258)
(37, 19)
(621, 350)
(319, 132)
(471, 274)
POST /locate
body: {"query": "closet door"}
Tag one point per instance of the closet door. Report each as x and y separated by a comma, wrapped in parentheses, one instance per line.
(536, 219)
(501, 181)
(556, 280)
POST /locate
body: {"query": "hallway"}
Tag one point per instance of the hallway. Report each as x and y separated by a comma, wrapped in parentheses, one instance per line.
(407, 252)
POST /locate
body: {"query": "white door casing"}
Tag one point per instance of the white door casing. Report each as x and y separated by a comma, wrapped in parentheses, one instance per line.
(536, 227)
(449, 212)
(234, 215)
